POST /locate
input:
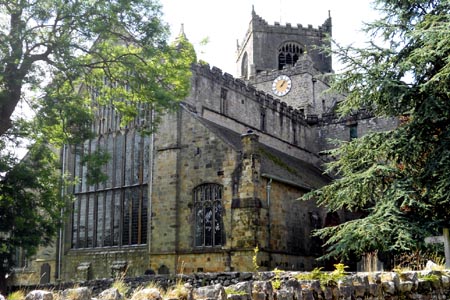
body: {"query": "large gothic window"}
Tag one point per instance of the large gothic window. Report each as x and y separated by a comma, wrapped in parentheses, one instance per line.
(112, 212)
(288, 54)
(208, 215)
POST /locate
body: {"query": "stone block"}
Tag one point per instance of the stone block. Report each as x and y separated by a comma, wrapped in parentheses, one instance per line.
(214, 292)
(242, 287)
(83, 271)
(118, 268)
(262, 288)
(388, 287)
(110, 294)
(37, 295)
(81, 293)
(147, 294)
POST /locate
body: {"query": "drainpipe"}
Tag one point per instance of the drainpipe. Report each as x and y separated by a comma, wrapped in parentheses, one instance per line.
(314, 80)
(178, 188)
(269, 237)
(60, 242)
(150, 186)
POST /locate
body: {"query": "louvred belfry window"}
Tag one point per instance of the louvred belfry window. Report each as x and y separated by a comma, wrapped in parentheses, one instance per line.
(208, 215)
(288, 54)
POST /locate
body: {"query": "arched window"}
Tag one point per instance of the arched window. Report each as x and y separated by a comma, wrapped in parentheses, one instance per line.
(288, 54)
(208, 215)
(114, 211)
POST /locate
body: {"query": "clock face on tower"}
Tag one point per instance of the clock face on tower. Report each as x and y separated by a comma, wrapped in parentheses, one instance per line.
(281, 85)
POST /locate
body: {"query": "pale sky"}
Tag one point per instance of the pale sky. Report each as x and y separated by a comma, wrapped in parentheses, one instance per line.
(226, 21)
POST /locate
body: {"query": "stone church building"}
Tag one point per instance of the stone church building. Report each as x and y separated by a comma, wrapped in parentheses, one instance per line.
(221, 175)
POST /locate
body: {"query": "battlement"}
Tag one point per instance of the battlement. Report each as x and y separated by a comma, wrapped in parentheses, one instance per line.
(248, 91)
(268, 101)
(271, 39)
(259, 23)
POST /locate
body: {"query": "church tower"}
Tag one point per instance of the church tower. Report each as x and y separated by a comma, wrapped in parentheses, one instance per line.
(269, 47)
(287, 62)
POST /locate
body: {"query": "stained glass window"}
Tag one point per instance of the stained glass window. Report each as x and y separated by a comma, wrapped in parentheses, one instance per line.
(208, 215)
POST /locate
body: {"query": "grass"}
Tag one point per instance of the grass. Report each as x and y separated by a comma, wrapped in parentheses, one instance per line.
(232, 291)
(325, 278)
(121, 286)
(17, 295)
(138, 294)
(177, 291)
(417, 260)
(429, 277)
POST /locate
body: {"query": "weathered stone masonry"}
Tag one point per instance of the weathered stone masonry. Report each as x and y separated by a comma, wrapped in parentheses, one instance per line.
(220, 176)
(268, 285)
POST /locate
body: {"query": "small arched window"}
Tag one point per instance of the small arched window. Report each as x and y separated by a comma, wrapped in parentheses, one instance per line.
(288, 54)
(208, 215)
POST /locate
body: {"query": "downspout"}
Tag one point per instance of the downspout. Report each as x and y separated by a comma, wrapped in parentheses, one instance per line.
(60, 242)
(314, 80)
(269, 225)
(150, 185)
(178, 188)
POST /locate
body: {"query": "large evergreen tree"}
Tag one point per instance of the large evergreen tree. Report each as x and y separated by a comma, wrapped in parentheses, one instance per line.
(398, 180)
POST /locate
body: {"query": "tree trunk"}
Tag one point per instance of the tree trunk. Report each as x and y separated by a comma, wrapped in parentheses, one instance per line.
(3, 285)
(8, 102)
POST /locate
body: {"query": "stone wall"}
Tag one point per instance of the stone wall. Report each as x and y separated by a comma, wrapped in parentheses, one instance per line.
(283, 285)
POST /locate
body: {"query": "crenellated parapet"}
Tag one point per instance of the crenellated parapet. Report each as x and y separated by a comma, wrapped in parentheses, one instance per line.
(259, 24)
(269, 102)
(248, 91)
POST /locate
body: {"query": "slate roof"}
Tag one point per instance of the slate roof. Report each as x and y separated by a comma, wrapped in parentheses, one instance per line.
(274, 163)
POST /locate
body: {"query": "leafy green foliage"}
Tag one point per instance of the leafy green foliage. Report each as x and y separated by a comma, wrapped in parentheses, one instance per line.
(30, 203)
(255, 259)
(398, 181)
(116, 48)
(276, 281)
(325, 278)
(94, 164)
(77, 57)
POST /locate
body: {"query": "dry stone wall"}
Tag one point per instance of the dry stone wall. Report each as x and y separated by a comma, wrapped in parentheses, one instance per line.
(261, 286)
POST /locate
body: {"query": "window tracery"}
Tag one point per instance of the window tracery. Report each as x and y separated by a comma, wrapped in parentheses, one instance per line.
(113, 212)
(208, 215)
(288, 54)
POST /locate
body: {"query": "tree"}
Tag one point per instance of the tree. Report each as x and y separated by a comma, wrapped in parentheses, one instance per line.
(30, 204)
(123, 41)
(399, 180)
(71, 52)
